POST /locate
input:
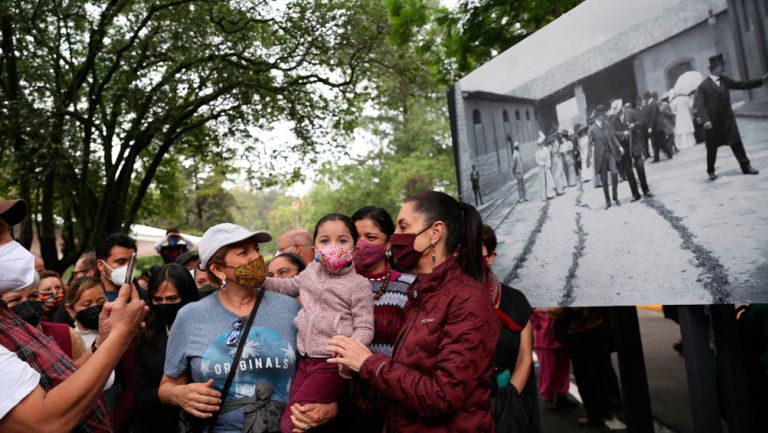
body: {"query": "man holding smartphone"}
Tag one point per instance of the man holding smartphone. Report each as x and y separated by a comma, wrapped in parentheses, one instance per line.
(70, 398)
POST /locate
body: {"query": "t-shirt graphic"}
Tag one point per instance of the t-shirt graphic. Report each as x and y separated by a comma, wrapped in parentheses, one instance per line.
(266, 357)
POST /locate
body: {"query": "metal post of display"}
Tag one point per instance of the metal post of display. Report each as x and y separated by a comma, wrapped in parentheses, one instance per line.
(699, 368)
(734, 389)
(634, 380)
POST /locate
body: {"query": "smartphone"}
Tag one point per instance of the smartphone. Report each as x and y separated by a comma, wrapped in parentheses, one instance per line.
(131, 269)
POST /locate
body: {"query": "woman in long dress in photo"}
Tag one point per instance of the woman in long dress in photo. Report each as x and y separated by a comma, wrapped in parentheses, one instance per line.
(566, 152)
(557, 165)
(587, 170)
(544, 162)
(681, 105)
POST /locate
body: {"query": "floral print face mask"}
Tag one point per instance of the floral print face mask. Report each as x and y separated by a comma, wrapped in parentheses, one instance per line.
(333, 258)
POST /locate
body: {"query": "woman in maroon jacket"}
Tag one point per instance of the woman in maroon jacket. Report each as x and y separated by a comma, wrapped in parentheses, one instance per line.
(439, 376)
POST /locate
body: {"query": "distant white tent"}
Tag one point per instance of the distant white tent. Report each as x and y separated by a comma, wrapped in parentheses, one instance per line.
(147, 236)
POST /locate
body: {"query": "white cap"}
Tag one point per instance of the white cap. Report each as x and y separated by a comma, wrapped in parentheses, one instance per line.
(225, 234)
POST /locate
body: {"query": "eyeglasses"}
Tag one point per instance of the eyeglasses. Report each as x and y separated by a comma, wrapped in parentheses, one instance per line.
(234, 334)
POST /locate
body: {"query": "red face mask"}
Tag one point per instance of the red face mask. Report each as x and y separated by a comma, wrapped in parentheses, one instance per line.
(403, 251)
(367, 254)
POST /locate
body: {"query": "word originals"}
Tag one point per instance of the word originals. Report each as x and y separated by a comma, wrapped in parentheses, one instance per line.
(252, 364)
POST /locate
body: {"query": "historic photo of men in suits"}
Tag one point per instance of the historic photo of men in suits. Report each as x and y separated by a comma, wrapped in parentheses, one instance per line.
(713, 100)
(605, 147)
(629, 123)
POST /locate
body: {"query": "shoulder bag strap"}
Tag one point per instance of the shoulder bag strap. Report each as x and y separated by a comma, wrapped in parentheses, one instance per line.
(236, 359)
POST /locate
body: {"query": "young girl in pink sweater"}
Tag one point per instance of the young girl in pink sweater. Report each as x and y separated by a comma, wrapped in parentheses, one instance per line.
(335, 300)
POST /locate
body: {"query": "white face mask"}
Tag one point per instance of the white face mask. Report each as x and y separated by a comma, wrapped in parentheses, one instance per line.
(118, 274)
(17, 267)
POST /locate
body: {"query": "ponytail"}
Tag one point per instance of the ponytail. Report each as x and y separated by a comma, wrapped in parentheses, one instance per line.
(470, 249)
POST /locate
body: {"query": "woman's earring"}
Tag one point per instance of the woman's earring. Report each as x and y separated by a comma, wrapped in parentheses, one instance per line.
(388, 254)
(434, 257)
(223, 284)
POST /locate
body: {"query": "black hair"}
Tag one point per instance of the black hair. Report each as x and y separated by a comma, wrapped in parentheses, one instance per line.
(463, 228)
(338, 217)
(293, 258)
(174, 229)
(104, 248)
(489, 238)
(180, 277)
(379, 216)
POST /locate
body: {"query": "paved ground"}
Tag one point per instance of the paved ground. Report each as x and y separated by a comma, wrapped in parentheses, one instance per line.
(696, 242)
(666, 382)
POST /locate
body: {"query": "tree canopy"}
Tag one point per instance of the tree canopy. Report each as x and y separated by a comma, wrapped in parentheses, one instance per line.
(122, 111)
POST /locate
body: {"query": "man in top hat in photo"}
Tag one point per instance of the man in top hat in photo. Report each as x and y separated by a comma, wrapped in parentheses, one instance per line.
(713, 100)
(607, 151)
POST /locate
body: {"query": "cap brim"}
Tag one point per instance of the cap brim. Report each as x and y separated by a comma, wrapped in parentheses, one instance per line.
(259, 237)
(13, 211)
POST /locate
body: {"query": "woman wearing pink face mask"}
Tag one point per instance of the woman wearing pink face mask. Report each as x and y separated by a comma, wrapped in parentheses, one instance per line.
(335, 301)
(362, 409)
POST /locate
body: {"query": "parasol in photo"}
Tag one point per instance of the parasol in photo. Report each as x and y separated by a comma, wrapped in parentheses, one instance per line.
(688, 82)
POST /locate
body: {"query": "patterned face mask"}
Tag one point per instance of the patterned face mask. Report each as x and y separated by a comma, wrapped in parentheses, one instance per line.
(252, 274)
(333, 258)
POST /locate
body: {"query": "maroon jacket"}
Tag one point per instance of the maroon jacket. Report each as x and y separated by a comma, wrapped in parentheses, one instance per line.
(439, 378)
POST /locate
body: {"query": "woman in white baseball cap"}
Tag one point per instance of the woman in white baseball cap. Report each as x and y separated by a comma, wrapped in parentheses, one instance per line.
(206, 336)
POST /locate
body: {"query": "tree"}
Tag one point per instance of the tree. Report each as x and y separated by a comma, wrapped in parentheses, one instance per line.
(98, 96)
(476, 31)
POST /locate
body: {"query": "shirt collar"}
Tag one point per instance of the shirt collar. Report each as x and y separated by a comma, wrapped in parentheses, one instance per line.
(715, 79)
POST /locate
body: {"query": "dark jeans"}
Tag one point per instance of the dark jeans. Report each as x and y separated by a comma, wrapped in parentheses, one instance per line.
(738, 152)
(591, 362)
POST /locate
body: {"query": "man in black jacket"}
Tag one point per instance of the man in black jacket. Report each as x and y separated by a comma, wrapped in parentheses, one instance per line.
(713, 100)
(630, 123)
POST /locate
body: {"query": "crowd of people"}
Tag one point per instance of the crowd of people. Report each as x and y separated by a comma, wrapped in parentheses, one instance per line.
(366, 323)
(620, 137)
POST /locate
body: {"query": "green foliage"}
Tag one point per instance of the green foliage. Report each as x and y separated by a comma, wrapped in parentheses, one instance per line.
(103, 103)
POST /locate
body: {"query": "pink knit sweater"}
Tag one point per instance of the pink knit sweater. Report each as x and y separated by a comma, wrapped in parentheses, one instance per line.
(330, 305)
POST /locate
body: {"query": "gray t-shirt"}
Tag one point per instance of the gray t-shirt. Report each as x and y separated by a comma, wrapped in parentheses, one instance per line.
(197, 346)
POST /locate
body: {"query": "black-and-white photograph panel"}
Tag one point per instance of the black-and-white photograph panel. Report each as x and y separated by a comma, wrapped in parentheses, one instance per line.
(617, 154)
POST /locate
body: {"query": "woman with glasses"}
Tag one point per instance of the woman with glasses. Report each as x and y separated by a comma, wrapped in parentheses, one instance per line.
(205, 335)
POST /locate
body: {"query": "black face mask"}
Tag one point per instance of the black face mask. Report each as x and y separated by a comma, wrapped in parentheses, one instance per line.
(89, 317)
(29, 311)
(166, 313)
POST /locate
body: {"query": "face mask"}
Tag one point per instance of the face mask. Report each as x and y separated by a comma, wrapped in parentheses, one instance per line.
(17, 267)
(252, 274)
(403, 251)
(55, 300)
(29, 311)
(166, 313)
(333, 258)
(367, 254)
(118, 274)
(89, 317)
